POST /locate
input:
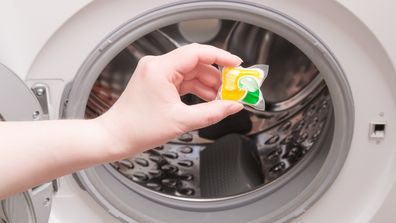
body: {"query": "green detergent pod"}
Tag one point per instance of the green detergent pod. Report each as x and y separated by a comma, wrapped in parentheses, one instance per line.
(243, 85)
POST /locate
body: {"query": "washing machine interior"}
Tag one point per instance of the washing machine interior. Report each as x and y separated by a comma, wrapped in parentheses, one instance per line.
(244, 152)
(253, 166)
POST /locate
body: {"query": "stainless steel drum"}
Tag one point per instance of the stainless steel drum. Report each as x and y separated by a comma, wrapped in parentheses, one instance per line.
(299, 116)
(251, 167)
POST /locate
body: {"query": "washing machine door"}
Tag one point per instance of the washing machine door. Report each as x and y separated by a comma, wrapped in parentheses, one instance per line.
(18, 103)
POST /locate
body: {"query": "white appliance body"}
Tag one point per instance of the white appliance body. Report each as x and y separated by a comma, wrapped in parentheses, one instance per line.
(47, 42)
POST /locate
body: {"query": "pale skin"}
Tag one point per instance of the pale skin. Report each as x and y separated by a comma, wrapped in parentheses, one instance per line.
(147, 114)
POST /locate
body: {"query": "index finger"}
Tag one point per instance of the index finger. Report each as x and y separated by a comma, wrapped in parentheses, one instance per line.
(186, 58)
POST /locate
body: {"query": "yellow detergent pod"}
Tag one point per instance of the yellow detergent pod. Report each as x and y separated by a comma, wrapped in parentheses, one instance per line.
(243, 85)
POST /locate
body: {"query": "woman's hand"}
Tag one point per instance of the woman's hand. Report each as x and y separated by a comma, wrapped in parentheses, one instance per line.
(147, 114)
(150, 111)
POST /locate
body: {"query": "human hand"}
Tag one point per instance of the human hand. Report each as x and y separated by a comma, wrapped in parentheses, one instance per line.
(150, 112)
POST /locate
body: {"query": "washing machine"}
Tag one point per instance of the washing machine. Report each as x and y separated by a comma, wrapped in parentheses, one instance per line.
(323, 151)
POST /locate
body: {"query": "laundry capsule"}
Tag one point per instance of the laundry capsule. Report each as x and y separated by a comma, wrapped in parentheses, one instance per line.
(243, 85)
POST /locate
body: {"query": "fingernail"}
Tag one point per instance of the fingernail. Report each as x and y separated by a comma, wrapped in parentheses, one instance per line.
(240, 59)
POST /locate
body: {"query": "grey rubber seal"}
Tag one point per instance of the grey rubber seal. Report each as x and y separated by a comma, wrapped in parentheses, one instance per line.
(272, 204)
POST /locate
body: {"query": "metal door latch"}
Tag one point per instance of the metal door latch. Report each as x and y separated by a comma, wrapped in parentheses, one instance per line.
(42, 95)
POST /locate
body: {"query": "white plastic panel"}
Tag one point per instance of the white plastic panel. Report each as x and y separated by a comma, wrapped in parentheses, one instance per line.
(27, 25)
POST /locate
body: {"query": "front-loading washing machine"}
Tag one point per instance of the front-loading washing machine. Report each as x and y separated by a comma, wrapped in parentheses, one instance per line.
(322, 151)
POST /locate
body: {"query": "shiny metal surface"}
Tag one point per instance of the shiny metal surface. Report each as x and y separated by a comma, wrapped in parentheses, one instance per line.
(284, 145)
(17, 208)
(42, 95)
(297, 100)
(174, 168)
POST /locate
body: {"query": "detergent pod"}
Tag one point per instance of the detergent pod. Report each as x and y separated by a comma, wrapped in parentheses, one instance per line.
(243, 85)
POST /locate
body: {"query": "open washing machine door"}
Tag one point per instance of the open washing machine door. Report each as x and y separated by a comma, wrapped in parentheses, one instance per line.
(19, 103)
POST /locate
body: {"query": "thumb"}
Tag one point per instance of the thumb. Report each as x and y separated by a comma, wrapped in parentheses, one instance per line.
(208, 113)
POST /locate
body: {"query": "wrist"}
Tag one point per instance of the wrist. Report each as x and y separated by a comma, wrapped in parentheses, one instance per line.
(112, 142)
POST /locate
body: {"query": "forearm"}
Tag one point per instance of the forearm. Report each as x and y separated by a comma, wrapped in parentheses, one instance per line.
(148, 113)
(36, 152)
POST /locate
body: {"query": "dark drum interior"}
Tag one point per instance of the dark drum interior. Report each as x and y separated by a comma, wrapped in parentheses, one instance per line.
(244, 152)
